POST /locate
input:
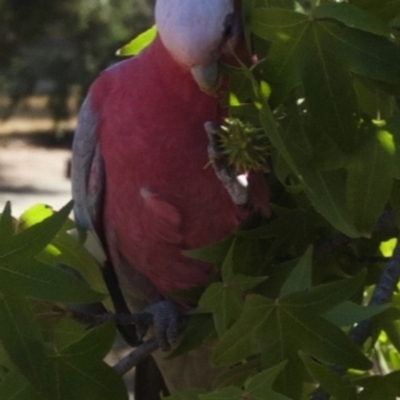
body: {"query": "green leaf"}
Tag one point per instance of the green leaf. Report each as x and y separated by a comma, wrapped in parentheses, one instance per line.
(92, 347)
(393, 126)
(339, 387)
(285, 29)
(247, 282)
(227, 265)
(319, 338)
(21, 337)
(353, 17)
(64, 248)
(349, 313)
(199, 330)
(188, 394)
(225, 302)
(74, 255)
(229, 393)
(300, 278)
(70, 380)
(213, 253)
(380, 387)
(16, 387)
(67, 332)
(369, 181)
(138, 44)
(282, 327)
(325, 189)
(292, 229)
(30, 242)
(77, 370)
(32, 278)
(368, 55)
(384, 9)
(330, 97)
(241, 340)
(324, 297)
(260, 385)
(389, 321)
(395, 201)
(372, 100)
(237, 375)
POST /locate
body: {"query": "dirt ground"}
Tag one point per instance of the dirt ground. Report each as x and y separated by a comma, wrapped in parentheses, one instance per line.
(33, 162)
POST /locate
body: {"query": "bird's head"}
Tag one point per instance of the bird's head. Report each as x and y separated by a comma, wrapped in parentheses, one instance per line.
(197, 33)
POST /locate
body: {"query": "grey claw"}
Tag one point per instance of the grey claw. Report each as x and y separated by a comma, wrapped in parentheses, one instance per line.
(166, 323)
(237, 188)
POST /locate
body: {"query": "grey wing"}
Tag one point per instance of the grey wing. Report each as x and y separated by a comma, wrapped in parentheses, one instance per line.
(87, 175)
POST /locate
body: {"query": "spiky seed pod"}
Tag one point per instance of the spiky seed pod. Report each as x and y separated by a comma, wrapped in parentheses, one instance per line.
(245, 146)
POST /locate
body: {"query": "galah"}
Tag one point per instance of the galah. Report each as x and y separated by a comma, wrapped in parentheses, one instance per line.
(140, 168)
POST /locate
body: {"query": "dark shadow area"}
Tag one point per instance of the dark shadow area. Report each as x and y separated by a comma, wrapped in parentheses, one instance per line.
(44, 139)
(26, 189)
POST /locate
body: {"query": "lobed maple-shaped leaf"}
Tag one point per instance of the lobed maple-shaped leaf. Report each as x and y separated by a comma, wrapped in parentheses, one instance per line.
(22, 274)
(338, 386)
(278, 329)
(75, 370)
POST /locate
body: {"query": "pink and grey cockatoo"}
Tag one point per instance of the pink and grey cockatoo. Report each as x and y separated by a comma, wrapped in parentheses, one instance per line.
(139, 171)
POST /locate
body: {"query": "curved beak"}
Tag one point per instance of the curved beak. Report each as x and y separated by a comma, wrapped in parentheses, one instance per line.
(206, 77)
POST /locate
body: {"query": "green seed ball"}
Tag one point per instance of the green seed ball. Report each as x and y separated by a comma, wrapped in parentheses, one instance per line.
(245, 146)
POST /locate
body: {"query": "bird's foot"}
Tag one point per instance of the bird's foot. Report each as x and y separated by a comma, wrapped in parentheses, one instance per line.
(167, 323)
(235, 183)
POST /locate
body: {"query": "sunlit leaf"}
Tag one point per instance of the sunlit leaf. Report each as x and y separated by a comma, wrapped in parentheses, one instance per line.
(64, 248)
(31, 241)
(138, 44)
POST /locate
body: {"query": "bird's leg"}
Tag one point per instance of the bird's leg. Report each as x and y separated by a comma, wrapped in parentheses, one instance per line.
(167, 323)
(163, 316)
(235, 183)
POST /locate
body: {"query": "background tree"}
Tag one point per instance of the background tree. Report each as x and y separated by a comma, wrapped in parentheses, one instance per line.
(303, 305)
(65, 42)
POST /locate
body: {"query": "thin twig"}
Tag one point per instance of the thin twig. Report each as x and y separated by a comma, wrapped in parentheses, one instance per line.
(92, 319)
(132, 359)
(382, 294)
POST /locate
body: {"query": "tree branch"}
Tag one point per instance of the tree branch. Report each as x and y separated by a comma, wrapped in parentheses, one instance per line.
(137, 355)
(382, 294)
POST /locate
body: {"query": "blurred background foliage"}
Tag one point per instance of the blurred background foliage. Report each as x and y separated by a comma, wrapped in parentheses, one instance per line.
(57, 48)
